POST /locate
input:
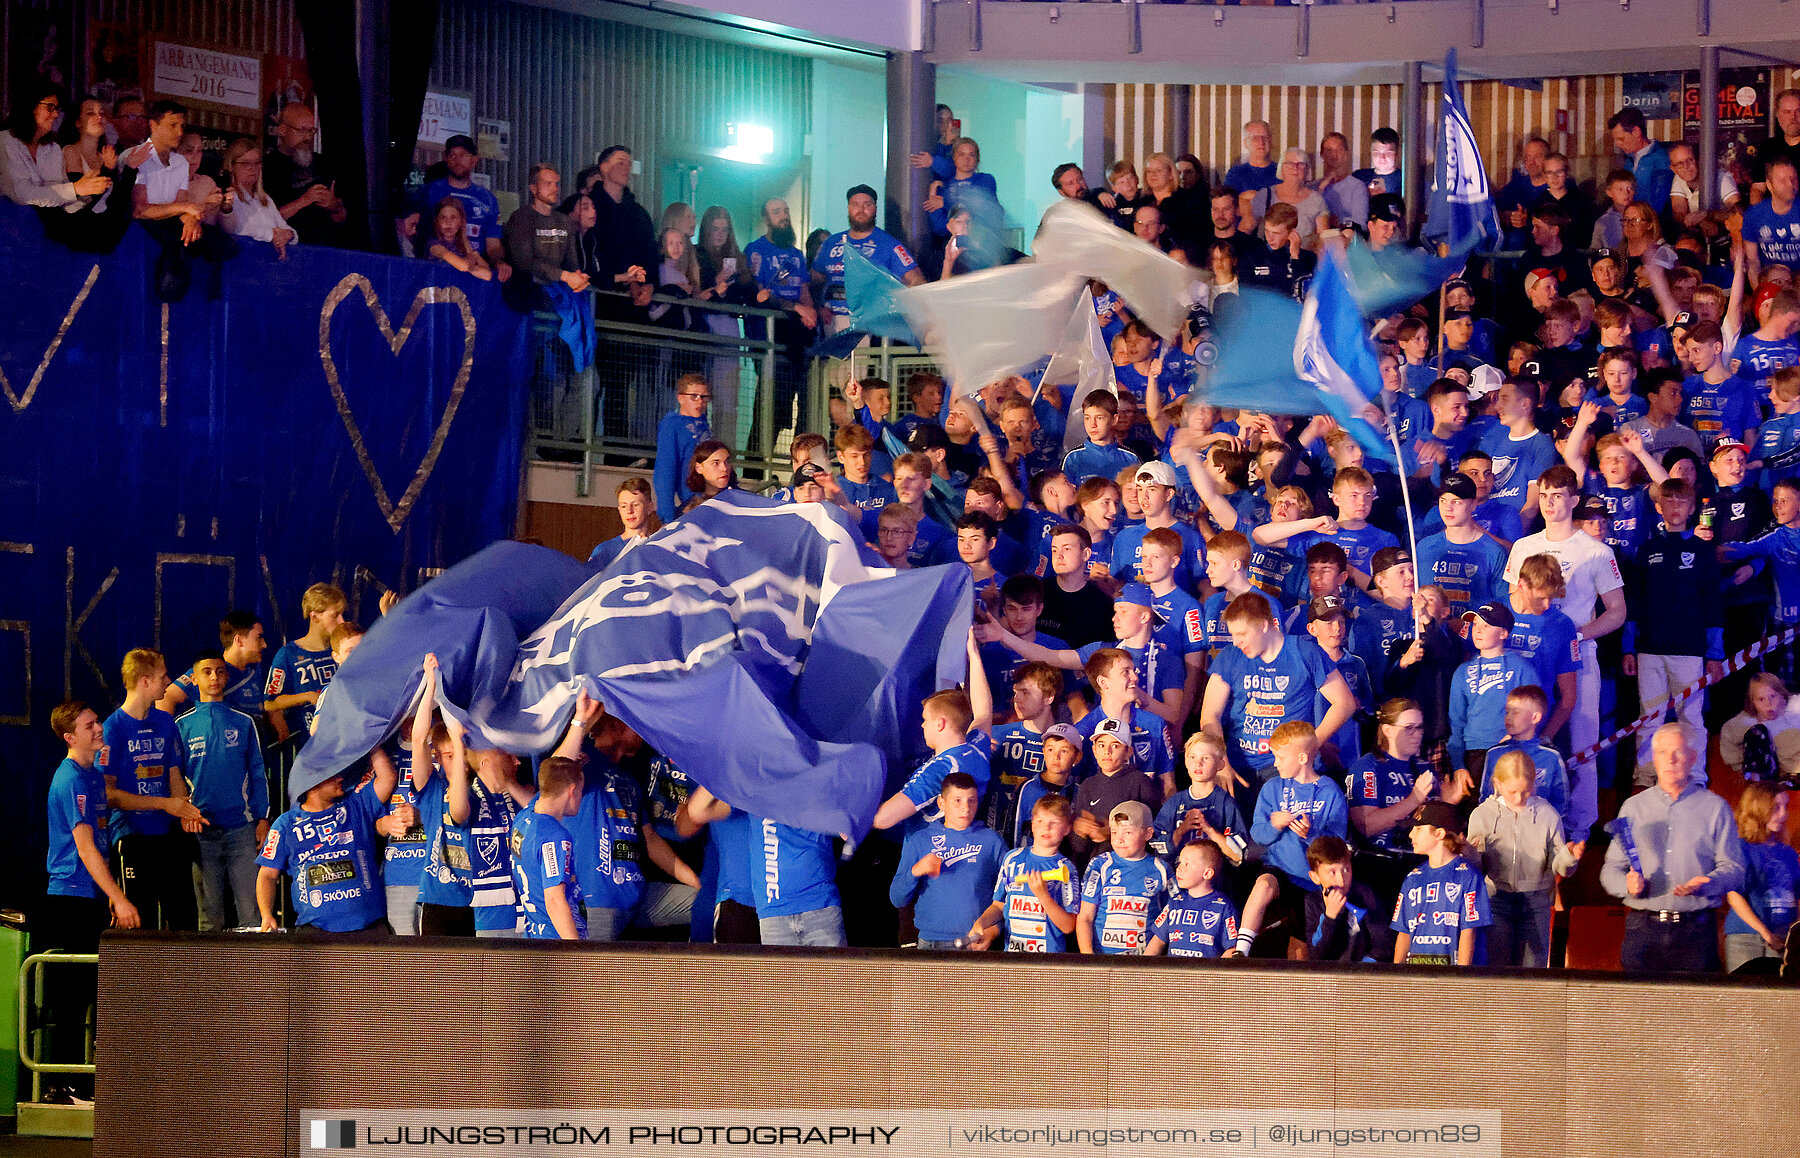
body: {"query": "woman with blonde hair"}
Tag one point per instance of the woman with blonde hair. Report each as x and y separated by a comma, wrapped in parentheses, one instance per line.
(1760, 916)
(254, 213)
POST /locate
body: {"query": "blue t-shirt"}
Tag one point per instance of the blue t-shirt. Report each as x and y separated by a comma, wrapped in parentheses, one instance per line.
(224, 765)
(1775, 235)
(1203, 926)
(1548, 642)
(607, 840)
(139, 755)
(1189, 569)
(1321, 802)
(1436, 904)
(879, 247)
(405, 855)
(1091, 460)
(1216, 804)
(1183, 629)
(243, 688)
(1248, 178)
(1127, 895)
(1470, 573)
(1014, 812)
(1218, 636)
(973, 756)
(1478, 700)
(1378, 781)
(294, 672)
(869, 496)
(480, 207)
(1755, 360)
(330, 855)
(1716, 410)
(780, 271)
(1028, 926)
(792, 870)
(1159, 669)
(1550, 783)
(1001, 662)
(1360, 544)
(1517, 463)
(543, 856)
(945, 906)
(1777, 446)
(731, 839)
(1632, 516)
(1771, 874)
(1266, 694)
(77, 797)
(1496, 518)
(1018, 755)
(1277, 570)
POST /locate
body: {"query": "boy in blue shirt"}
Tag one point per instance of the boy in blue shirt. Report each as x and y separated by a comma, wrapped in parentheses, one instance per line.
(143, 762)
(871, 401)
(1018, 747)
(856, 451)
(793, 873)
(326, 844)
(1353, 493)
(948, 868)
(1293, 810)
(1525, 710)
(1776, 444)
(81, 887)
(543, 856)
(241, 637)
(1115, 680)
(1183, 626)
(1203, 810)
(224, 761)
(1545, 636)
(1198, 921)
(1444, 901)
(1124, 888)
(1021, 602)
(947, 717)
(1063, 749)
(302, 667)
(1478, 691)
(1462, 559)
(676, 437)
(1328, 622)
(1035, 894)
(1100, 456)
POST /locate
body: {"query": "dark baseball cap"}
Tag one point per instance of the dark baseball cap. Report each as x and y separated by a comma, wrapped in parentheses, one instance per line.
(1325, 607)
(1389, 207)
(1592, 507)
(1389, 557)
(1457, 315)
(1457, 283)
(810, 472)
(869, 189)
(927, 436)
(1438, 814)
(1493, 613)
(1458, 485)
(461, 141)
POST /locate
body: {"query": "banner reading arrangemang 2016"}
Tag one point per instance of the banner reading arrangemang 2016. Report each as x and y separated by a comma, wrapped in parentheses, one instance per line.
(332, 416)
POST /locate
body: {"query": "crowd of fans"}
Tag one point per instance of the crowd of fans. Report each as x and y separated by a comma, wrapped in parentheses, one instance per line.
(1219, 703)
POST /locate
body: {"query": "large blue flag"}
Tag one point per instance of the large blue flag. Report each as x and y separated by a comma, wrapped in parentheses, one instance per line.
(1462, 204)
(1332, 351)
(704, 639)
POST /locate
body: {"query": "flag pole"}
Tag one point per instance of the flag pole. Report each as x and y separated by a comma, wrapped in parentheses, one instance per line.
(1443, 252)
(1412, 535)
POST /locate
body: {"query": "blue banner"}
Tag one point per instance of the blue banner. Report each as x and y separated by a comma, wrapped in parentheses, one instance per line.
(334, 416)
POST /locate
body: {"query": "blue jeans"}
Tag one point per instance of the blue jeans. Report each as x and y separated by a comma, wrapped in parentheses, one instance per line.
(1520, 934)
(403, 910)
(819, 928)
(228, 860)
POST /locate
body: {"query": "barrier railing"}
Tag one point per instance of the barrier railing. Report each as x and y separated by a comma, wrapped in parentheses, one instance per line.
(34, 1116)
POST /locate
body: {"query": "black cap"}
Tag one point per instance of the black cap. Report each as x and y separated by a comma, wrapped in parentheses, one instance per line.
(1591, 507)
(1457, 283)
(869, 189)
(1493, 613)
(1326, 606)
(1387, 207)
(1599, 255)
(1389, 557)
(1438, 814)
(1684, 318)
(810, 472)
(927, 436)
(1458, 485)
(1457, 315)
(461, 141)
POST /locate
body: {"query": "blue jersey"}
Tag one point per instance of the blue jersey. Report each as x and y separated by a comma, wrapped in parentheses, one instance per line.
(1000, 662)
(1090, 460)
(1780, 548)
(1517, 463)
(1321, 802)
(77, 797)
(1716, 410)
(1434, 907)
(1197, 926)
(296, 671)
(1379, 781)
(1018, 755)
(1216, 804)
(1264, 694)
(869, 496)
(1634, 406)
(139, 757)
(330, 855)
(1028, 926)
(1159, 670)
(731, 841)
(1632, 516)
(1775, 235)
(973, 756)
(1183, 629)
(1754, 361)
(1360, 544)
(1012, 808)
(1496, 518)
(543, 856)
(1277, 571)
(1189, 569)
(243, 688)
(792, 870)
(1548, 642)
(406, 854)
(879, 247)
(1551, 780)
(1777, 447)
(781, 271)
(1127, 895)
(481, 210)
(224, 765)
(1152, 749)
(1478, 700)
(945, 906)
(468, 864)
(607, 840)
(1218, 636)
(1771, 875)
(1470, 573)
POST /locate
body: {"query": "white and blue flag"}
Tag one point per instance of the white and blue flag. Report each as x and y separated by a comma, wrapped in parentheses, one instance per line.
(1332, 351)
(1462, 203)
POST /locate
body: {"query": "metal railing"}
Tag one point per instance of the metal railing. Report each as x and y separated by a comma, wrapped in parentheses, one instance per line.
(31, 999)
(607, 414)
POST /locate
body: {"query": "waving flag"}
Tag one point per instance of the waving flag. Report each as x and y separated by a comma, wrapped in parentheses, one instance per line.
(1391, 279)
(1082, 362)
(993, 323)
(1332, 351)
(703, 639)
(870, 292)
(1462, 204)
(1158, 288)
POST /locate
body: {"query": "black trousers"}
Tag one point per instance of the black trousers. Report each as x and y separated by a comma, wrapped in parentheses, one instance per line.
(69, 925)
(736, 924)
(1653, 946)
(446, 921)
(157, 873)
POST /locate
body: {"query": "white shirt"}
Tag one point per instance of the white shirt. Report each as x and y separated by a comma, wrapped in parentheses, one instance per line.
(36, 180)
(254, 218)
(1588, 566)
(162, 182)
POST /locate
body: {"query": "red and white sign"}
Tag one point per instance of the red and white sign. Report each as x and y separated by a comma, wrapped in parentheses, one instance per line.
(188, 73)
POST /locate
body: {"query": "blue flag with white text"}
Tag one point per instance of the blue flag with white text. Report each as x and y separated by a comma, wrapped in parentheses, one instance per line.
(1332, 351)
(1462, 203)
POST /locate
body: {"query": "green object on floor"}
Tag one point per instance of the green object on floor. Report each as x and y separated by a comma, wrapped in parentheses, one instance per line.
(12, 955)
